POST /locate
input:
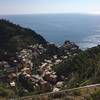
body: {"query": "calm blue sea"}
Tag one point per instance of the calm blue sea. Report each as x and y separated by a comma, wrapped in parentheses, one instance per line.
(60, 27)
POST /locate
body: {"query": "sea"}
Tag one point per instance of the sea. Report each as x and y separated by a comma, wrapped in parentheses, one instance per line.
(83, 29)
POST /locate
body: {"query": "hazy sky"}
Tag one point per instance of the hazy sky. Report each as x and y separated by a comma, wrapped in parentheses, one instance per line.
(49, 6)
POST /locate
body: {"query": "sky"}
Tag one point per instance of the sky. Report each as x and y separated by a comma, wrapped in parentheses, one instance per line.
(49, 6)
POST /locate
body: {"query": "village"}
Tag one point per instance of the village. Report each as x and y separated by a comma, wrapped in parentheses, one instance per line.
(32, 74)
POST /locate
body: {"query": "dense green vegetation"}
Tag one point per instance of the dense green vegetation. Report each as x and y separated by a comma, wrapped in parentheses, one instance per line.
(94, 96)
(5, 91)
(82, 69)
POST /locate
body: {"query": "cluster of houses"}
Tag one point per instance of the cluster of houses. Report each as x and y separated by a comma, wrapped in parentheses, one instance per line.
(27, 78)
(45, 78)
(70, 47)
(3, 66)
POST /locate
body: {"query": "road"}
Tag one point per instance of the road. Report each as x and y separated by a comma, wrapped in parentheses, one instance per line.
(59, 92)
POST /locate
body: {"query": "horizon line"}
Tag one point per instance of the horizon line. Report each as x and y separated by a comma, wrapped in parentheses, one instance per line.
(92, 13)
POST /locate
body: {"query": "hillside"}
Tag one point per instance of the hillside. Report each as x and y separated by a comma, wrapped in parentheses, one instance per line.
(81, 69)
(14, 37)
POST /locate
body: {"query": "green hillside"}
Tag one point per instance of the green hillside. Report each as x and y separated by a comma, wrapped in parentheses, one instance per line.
(81, 69)
(13, 37)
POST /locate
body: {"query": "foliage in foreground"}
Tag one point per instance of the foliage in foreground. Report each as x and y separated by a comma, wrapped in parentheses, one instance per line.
(5, 91)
